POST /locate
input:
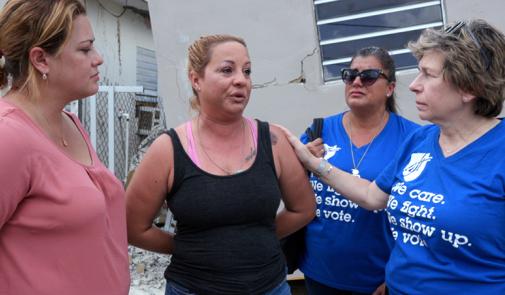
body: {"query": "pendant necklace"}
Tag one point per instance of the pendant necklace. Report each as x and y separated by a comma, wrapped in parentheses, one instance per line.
(355, 169)
(228, 172)
(62, 141)
(39, 119)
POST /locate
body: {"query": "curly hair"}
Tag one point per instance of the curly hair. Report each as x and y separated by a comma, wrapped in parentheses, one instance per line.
(474, 54)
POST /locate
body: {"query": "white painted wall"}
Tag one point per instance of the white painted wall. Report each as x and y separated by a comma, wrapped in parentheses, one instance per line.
(117, 40)
(279, 35)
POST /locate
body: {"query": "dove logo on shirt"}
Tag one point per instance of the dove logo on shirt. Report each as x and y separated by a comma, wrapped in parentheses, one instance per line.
(330, 151)
(416, 165)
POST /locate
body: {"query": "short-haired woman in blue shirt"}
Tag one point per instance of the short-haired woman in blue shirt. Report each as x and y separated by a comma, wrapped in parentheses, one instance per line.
(445, 190)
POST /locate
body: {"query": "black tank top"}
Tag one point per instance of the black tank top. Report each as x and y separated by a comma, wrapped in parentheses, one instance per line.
(226, 241)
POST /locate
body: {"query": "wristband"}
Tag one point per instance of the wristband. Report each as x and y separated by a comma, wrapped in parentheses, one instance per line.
(320, 168)
(329, 169)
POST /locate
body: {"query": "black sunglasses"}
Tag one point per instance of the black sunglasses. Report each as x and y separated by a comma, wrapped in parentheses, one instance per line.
(456, 28)
(367, 77)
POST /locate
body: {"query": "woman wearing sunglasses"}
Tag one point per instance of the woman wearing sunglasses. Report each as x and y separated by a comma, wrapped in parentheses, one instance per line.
(445, 189)
(347, 246)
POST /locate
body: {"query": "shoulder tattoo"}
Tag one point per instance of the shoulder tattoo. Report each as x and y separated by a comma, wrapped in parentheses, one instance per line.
(273, 138)
(251, 155)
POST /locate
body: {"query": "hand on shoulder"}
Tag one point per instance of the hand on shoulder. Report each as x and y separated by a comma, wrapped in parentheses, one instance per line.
(303, 153)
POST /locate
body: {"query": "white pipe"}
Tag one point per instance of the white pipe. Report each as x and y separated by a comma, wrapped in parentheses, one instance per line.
(92, 119)
(110, 117)
(127, 143)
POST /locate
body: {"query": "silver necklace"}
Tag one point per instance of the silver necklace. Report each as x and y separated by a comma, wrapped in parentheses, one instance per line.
(50, 130)
(355, 170)
(228, 172)
(466, 141)
(29, 108)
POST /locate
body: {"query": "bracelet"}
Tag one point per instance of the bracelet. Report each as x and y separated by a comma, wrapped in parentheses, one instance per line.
(320, 168)
(329, 169)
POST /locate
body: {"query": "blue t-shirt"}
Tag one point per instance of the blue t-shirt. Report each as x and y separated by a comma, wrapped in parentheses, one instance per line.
(447, 216)
(347, 247)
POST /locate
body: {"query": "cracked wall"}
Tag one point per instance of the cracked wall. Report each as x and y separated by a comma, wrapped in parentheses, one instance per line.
(118, 32)
(283, 46)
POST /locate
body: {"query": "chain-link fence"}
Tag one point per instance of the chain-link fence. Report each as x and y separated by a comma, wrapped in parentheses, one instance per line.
(132, 121)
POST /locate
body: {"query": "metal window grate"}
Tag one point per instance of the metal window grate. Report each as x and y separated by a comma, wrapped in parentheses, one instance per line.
(344, 26)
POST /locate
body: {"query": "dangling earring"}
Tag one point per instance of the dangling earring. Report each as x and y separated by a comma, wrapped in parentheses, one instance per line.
(44, 76)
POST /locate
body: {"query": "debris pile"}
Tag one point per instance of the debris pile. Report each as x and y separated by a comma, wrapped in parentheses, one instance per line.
(146, 270)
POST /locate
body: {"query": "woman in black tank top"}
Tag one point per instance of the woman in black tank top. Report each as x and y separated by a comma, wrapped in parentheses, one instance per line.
(223, 177)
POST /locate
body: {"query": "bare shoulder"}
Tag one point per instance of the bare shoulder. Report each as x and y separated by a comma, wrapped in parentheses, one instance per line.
(159, 155)
(279, 139)
(276, 135)
(154, 173)
(162, 143)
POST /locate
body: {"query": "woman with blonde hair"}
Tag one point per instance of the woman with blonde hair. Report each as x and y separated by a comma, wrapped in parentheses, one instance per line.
(223, 176)
(62, 213)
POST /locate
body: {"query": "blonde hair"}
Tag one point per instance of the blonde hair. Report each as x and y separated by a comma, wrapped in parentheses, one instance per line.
(474, 61)
(27, 24)
(199, 55)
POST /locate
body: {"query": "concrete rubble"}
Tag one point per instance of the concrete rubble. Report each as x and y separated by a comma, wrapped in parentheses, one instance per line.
(146, 270)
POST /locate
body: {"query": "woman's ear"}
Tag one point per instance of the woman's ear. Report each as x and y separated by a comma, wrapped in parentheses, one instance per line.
(194, 78)
(390, 88)
(467, 97)
(38, 58)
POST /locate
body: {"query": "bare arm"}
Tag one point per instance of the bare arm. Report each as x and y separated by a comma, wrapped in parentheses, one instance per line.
(145, 195)
(297, 195)
(361, 191)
